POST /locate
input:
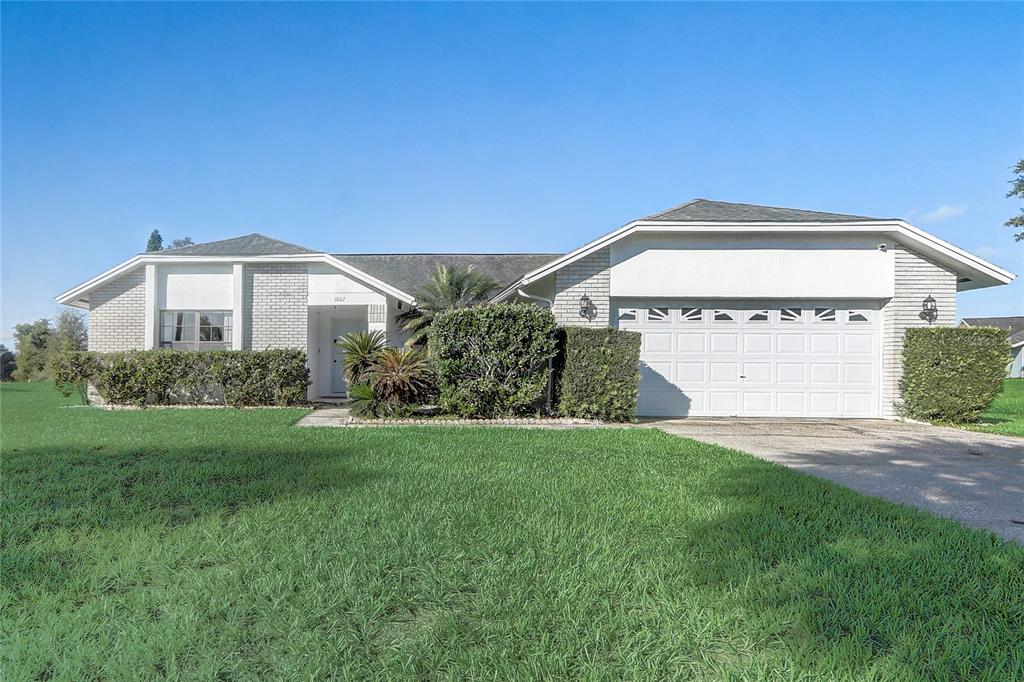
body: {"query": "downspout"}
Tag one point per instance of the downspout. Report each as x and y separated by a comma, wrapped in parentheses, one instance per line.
(551, 361)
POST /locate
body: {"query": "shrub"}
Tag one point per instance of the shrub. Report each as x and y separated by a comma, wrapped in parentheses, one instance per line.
(952, 374)
(162, 377)
(598, 373)
(492, 360)
(361, 350)
(400, 376)
(73, 371)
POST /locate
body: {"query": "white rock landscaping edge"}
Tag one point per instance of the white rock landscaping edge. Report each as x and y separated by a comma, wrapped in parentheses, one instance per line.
(340, 418)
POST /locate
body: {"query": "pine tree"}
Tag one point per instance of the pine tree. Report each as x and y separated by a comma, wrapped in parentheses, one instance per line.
(156, 242)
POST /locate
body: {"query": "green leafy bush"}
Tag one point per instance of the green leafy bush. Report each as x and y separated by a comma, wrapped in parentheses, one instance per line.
(492, 360)
(598, 373)
(239, 378)
(952, 374)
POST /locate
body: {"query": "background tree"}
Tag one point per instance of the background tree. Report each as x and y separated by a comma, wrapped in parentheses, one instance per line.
(7, 364)
(448, 288)
(68, 332)
(30, 348)
(1017, 190)
(178, 243)
(156, 242)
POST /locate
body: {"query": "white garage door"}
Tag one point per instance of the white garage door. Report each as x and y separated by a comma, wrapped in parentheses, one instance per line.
(756, 359)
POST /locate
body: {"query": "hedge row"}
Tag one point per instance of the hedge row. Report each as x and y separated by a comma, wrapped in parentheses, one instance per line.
(493, 360)
(598, 373)
(239, 378)
(952, 374)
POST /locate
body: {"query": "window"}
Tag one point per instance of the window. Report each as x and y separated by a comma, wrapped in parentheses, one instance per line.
(824, 314)
(791, 315)
(758, 316)
(855, 316)
(723, 316)
(657, 315)
(691, 314)
(195, 330)
(627, 315)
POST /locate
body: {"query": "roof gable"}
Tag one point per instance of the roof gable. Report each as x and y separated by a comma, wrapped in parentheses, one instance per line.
(708, 211)
(254, 244)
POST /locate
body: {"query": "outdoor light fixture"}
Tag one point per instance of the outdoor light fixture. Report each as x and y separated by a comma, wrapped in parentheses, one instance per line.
(929, 309)
(585, 306)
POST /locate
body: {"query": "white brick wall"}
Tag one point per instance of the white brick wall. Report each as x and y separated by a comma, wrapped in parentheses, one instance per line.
(590, 276)
(274, 302)
(916, 278)
(117, 314)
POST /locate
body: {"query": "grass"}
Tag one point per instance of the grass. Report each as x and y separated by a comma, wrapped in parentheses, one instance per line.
(1006, 414)
(224, 544)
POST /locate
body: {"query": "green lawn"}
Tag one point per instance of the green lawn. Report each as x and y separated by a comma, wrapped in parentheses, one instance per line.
(224, 544)
(1006, 415)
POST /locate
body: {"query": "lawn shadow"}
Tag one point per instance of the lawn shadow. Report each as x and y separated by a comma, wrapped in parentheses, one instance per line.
(859, 582)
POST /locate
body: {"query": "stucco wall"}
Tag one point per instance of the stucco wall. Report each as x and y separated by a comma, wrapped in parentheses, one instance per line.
(916, 278)
(274, 302)
(590, 276)
(117, 314)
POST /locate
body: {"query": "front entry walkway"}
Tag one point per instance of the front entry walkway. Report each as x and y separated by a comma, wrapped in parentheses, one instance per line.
(975, 478)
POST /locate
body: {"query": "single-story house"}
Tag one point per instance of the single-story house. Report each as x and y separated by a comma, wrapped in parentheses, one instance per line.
(744, 310)
(1014, 327)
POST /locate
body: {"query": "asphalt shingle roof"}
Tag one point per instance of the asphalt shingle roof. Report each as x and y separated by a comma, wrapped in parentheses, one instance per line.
(250, 245)
(705, 210)
(409, 271)
(1014, 326)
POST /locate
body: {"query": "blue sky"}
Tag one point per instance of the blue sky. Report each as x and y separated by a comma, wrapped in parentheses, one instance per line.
(492, 127)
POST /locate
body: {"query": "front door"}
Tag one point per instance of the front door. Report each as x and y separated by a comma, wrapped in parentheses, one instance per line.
(339, 328)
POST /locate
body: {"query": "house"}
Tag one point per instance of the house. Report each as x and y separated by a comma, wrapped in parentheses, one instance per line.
(1014, 327)
(744, 310)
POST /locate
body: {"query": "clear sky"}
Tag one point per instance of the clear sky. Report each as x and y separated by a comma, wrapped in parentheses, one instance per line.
(492, 127)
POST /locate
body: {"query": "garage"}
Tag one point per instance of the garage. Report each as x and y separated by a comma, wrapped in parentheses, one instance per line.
(756, 359)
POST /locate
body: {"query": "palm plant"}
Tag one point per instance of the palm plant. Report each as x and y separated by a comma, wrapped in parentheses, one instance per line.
(361, 350)
(400, 376)
(449, 287)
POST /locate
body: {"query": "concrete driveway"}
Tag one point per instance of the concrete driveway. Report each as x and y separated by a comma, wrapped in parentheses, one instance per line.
(975, 478)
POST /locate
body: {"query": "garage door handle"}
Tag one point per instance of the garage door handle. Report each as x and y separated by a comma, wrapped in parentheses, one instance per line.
(743, 376)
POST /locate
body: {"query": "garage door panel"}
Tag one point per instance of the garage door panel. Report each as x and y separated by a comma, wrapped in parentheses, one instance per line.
(791, 343)
(757, 343)
(825, 373)
(809, 360)
(691, 342)
(824, 344)
(725, 343)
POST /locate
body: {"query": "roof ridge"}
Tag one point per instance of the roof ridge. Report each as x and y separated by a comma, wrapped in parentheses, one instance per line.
(674, 208)
(456, 253)
(183, 250)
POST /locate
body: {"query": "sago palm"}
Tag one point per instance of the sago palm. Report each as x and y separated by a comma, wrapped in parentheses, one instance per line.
(449, 287)
(361, 350)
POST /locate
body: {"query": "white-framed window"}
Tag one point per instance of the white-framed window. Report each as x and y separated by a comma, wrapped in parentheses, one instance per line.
(195, 329)
(791, 315)
(757, 316)
(723, 316)
(627, 315)
(856, 317)
(658, 315)
(691, 314)
(825, 315)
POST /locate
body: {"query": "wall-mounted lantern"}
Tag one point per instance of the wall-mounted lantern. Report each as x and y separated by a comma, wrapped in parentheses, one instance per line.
(586, 307)
(929, 309)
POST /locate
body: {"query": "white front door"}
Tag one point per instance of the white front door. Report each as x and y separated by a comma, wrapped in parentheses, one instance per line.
(705, 358)
(340, 327)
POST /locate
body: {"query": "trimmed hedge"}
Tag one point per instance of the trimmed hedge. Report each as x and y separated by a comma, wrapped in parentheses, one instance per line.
(952, 374)
(492, 360)
(239, 378)
(598, 373)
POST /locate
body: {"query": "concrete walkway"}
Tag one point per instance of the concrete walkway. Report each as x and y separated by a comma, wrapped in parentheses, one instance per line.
(975, 478)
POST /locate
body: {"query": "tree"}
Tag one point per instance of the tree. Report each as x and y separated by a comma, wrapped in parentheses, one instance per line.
(1017, 190)
(30, 347)
(156, 242)
(7, 364)
(448, 288)
(178, 243)
(68, 332)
